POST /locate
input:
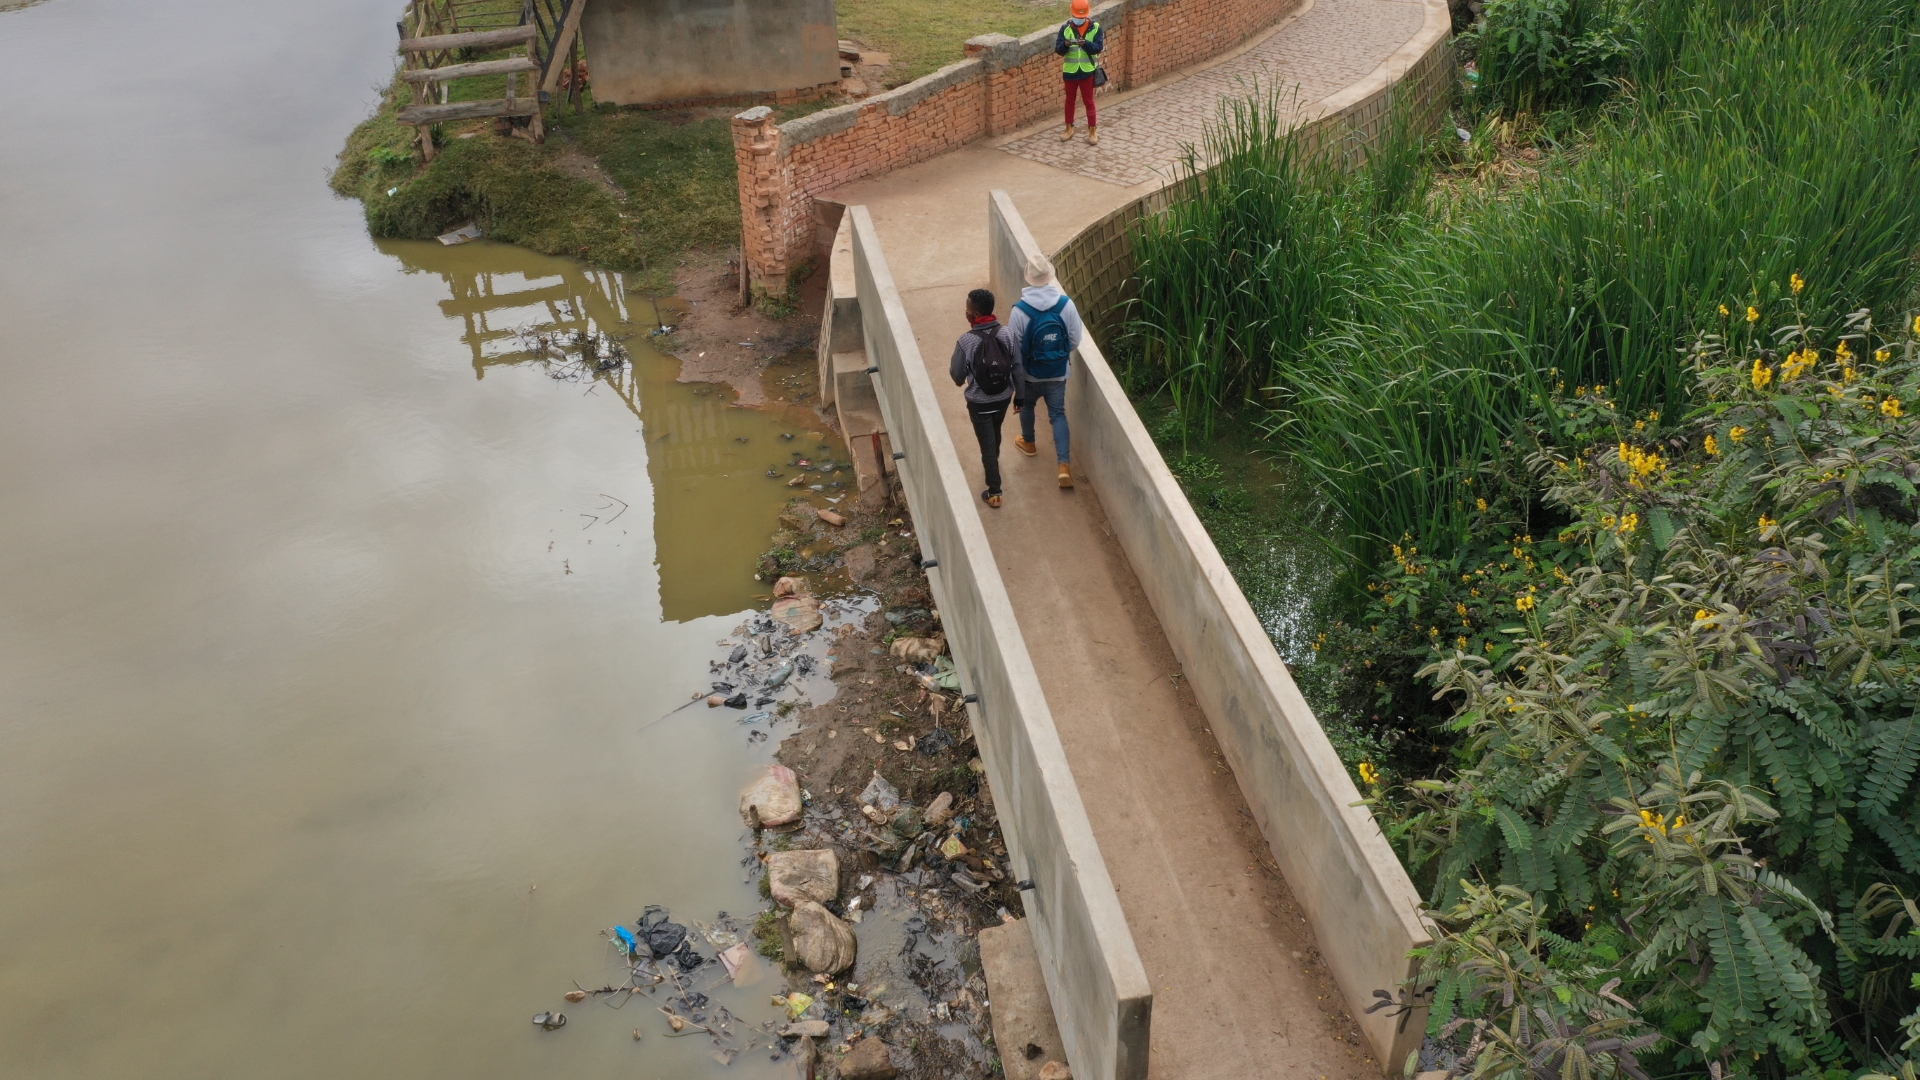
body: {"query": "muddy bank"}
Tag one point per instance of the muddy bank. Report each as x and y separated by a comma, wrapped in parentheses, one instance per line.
(894, 790)
(766, 358)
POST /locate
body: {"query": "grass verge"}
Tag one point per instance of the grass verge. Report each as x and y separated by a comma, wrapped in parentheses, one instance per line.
(921, 36)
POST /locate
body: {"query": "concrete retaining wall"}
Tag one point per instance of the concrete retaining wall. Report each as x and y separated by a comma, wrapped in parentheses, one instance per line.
(647, 51)
(1100, 993)
(1362, 906)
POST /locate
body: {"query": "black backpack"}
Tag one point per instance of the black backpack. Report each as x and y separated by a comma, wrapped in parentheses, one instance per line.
(992, 362)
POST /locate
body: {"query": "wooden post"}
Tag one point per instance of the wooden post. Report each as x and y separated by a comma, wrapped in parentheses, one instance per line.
(536, 124)
(880, 462)
(573, 75)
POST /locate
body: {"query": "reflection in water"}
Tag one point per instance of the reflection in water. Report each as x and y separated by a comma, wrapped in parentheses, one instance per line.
(315, 759)
(714, 504)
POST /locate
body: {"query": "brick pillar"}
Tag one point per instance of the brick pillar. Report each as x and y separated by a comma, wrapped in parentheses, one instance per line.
(763, 201)
(1002, 109)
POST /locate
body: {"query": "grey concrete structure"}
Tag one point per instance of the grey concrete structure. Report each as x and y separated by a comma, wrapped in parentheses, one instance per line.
(1101, 998)
(1022, 1015)
(645, 51)
(1364, 909)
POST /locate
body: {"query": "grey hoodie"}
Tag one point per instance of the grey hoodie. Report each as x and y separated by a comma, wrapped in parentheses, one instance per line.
(1040, 298)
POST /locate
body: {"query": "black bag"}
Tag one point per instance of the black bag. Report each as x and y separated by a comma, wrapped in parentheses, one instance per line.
(992, 362)
(1099, 76)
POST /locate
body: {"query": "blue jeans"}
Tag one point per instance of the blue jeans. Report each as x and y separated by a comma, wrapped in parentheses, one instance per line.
(1056, 395)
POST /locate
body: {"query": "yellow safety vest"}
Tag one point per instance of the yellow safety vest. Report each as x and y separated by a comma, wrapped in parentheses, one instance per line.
(1077, 61)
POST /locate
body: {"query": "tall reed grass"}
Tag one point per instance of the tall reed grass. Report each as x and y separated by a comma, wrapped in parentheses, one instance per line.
(1396, 345)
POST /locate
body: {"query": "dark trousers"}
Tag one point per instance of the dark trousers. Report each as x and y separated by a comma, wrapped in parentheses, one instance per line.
(987, 418)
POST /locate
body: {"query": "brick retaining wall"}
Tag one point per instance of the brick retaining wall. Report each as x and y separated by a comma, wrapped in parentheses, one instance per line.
(1004, 84)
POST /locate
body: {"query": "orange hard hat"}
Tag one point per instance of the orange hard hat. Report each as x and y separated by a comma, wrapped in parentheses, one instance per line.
(1081, 8)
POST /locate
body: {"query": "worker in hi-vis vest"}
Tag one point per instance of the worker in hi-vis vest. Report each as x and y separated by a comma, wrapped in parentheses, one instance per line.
(1079, 41)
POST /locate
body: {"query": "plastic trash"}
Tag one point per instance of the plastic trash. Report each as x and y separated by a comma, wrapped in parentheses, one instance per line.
(797, 1004)
(780, 676)
(627, 941)
(550, 1021)
(880, 794)
(662, 938)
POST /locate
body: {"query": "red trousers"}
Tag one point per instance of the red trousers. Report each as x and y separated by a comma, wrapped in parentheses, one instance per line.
(1084, 89)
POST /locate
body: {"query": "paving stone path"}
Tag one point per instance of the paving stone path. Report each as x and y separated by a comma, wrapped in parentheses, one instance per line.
(1333, 45)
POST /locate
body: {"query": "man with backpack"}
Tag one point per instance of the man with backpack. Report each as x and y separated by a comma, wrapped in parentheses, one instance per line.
(1048, 327)
(986, 361)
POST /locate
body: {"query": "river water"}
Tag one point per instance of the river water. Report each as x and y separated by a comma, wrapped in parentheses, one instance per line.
(331, 631)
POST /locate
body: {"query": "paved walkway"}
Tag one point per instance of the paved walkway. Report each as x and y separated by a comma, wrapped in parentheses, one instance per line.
(1327, 48)
(1238, 991)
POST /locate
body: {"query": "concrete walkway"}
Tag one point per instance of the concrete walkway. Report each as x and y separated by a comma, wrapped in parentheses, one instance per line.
(1329, 46)
(1238, 991)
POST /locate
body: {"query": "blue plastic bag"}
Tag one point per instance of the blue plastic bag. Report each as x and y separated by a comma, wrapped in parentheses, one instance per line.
(627, 940)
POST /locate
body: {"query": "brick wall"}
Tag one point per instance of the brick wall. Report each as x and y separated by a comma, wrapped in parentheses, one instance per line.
(1004, 84)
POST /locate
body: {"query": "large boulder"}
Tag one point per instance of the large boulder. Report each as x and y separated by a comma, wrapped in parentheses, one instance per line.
(868, 1060)
(820, 941)
(774, 799)
(795, 876)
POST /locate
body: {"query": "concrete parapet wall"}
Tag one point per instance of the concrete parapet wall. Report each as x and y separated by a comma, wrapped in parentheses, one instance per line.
(1101, 996)
(651, 51)
(1003, 84)
(1096, 264)
(1363, 908)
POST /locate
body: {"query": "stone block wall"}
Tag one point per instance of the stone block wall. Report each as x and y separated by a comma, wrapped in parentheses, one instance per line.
(1004, 84)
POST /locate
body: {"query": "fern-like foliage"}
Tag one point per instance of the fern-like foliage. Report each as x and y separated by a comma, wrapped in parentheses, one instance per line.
(1707, 739)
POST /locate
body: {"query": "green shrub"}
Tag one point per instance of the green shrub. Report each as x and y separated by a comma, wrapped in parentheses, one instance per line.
(1697, 763)
(1401, 341)
(1537, 54)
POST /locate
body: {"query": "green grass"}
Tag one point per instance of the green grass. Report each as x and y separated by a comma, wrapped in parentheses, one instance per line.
(1401, 352)
(921, 36)
(676, 173)
(679, 192)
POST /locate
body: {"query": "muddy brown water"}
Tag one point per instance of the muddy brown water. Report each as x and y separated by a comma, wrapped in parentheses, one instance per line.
(327, 653)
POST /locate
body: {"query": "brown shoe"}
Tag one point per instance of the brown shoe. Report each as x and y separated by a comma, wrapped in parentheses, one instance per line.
(992, 498)
(1067, 135)
(1024, 446)
(1093, 136)
(1066, 476)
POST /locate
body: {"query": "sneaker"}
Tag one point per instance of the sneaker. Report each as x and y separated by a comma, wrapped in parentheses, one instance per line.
(1093, 136)
(1024, 446)
(1066, 476)
(992, 498)
(1067, 135)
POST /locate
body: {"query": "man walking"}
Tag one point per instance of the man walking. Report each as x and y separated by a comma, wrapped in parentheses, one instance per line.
(1079, 41)
(986, 360)
(1048, 328)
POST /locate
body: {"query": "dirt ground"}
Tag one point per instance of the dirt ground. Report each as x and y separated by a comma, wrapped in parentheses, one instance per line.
(922, 896)
(717, 339)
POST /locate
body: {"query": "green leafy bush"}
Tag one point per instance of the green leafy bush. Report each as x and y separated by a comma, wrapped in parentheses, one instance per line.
(1538, 54)
(1700, 752)
(1401, 339)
